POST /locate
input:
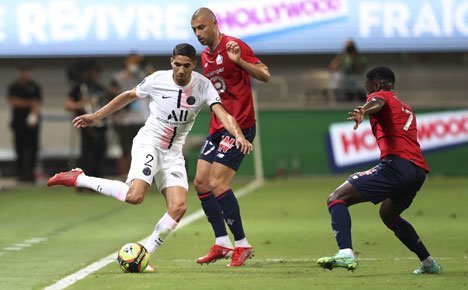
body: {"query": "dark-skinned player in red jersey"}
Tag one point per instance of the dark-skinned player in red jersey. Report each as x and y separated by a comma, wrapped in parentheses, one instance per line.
(394, 182)
(229, 63)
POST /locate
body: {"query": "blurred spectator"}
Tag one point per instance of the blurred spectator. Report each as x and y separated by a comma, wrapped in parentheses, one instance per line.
(25, 98)
(76, 70)
(131, 118)
(86, 96)
(347, 70)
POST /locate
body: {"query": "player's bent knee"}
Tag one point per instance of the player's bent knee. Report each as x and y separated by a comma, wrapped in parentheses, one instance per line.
(389, 224)
(335, 195)
(201, 185)
(389, 221)
(134, 197)
(177, 211)
(137, 191)
(217, 187)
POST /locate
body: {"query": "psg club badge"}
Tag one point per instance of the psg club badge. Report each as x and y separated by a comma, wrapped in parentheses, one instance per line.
(191, 100)
(147, 171)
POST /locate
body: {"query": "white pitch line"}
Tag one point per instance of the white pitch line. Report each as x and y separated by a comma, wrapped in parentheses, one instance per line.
(12, 248)
(36, 240)
(24, 244)
(73, 278)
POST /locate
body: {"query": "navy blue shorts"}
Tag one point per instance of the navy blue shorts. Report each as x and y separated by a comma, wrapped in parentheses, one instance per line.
(221, 147)
(394, 177)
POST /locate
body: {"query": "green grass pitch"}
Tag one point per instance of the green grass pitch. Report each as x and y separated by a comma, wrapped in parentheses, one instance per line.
(47, 234)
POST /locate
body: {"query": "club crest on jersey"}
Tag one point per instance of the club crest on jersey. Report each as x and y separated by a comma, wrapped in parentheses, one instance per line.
(226, 144)
(219, 59)
(191, 100)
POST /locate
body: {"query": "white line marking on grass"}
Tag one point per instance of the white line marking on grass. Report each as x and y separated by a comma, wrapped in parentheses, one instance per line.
(35, 240)
(23, 244)
(12, 248)
(73, 278)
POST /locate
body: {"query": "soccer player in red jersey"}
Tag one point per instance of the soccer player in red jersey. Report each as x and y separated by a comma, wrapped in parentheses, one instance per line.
(229, 63)
(394, 182)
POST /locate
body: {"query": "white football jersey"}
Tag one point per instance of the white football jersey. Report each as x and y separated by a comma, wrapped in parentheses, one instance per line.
(173, 108)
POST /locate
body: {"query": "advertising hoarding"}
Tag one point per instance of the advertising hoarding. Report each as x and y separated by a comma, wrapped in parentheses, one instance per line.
(106, 27)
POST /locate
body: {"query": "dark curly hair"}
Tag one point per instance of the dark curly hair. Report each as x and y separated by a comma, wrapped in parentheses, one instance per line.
(381, 74)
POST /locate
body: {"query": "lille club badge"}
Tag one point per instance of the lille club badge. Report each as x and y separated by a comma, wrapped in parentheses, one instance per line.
(219, 59)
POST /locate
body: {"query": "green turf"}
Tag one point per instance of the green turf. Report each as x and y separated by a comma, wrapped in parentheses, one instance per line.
(286, 221)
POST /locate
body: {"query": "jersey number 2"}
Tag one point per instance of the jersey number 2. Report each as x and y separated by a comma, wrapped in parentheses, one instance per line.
(150, 159)
(410, 119)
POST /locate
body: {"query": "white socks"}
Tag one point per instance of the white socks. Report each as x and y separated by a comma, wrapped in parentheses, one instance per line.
(224, 241)
(164, 228)
(242, 243)
(113, 188)
(346, 251)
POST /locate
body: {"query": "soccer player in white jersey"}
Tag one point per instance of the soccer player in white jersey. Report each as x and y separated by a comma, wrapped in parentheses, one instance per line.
(176, 97)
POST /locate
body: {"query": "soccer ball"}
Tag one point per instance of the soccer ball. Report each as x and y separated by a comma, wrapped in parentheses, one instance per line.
(133, 258)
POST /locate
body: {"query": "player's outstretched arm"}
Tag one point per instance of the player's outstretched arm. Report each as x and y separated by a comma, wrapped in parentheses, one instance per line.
(231, 125)
(369, 108)
(258, 71)
(116, 104)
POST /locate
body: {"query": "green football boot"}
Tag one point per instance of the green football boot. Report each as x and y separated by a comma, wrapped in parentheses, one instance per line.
(434, 268)
(339, 260)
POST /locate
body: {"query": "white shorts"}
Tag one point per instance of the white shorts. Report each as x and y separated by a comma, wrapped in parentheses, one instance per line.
(166, 166)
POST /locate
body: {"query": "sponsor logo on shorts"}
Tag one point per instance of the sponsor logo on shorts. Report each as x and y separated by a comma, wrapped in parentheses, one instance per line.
(226, 144)
(364, 173)
(147, 171)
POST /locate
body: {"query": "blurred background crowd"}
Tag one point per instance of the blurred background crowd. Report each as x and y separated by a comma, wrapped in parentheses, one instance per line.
(315, 69)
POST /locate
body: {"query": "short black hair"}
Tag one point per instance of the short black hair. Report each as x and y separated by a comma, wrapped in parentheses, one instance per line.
(381, 74)
(185, 49)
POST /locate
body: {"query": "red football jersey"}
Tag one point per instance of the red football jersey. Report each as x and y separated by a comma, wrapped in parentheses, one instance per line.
(394, 127)
(231, 81)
